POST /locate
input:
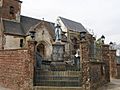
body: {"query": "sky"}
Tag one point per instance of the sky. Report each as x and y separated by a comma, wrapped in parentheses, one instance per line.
(99, 16)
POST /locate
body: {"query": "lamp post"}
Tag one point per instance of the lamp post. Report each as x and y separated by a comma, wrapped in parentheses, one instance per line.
(111, 45)
(82, 35)
(103, 39)
(32, 34)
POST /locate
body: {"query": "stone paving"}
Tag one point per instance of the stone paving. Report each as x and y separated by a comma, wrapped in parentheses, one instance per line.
(113, 85)
(1, 88)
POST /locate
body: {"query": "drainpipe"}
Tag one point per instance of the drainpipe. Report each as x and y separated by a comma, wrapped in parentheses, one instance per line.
(1, 27)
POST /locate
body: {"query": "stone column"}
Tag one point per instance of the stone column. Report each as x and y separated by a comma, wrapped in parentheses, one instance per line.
(113, 63)
(30, 64)
(84, 57)
(105, 58)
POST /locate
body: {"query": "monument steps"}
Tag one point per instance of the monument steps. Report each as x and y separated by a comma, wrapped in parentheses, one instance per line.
(58, 78)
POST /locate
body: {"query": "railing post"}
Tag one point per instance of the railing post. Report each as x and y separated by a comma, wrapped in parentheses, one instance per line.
(31, 54)
(113, 63)
(105, 57)
(84, 57)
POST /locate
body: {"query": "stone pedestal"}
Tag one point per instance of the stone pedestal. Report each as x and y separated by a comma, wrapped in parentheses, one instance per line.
(58, 52)
(58, 63)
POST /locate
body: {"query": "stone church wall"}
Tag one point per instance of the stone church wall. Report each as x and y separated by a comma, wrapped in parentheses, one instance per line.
(43, 36)
(12, 42)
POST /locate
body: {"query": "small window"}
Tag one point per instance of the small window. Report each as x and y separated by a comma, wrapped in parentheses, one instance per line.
(12, 10)
(21, 42)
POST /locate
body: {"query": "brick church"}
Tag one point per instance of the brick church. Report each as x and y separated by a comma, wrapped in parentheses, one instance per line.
(86, 63)
(14, 30)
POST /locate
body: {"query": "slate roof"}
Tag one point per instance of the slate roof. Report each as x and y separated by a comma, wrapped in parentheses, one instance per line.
(28, 22)
(24, 26)
(13, 28)
(72, 25)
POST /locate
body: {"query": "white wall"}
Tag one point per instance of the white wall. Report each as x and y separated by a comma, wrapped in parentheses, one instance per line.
(12, 42)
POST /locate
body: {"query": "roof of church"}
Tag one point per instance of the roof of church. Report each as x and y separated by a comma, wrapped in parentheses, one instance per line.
(13, 28)
(28, 22)
(72, 25)
(24, 26)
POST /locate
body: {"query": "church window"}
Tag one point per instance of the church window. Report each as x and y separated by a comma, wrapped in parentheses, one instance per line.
(21, 42)
(12, 10)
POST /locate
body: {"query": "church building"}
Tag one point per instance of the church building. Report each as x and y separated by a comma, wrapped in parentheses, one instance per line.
(14, 30)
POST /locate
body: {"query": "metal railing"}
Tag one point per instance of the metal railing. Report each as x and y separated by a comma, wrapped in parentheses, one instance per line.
(95, 52)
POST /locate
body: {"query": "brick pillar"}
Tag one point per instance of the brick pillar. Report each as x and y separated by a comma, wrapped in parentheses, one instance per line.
(84, 57)
(31, 63)
(113, 63)
(105, 58)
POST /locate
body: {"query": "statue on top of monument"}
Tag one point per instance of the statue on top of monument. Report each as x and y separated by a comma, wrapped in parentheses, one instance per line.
(58, 33)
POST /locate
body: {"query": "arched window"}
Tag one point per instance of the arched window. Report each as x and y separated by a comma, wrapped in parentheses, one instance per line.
(41, 49)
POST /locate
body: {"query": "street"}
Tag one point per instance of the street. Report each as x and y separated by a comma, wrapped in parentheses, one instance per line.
(113, 85)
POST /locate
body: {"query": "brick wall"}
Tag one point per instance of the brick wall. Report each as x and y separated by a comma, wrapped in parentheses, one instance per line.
(105, 58)
(118, 71)
(15, 69)
(6, 9)
(113, 63)
(97, 74)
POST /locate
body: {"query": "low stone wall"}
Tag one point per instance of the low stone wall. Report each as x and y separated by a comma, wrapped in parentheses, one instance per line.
(118, 71)
(97, 74)
(15, 69)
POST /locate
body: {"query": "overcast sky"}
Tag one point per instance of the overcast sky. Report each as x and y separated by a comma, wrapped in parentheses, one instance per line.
(102, 16)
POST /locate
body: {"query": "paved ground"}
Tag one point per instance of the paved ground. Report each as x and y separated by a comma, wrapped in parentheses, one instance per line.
(113, 85)
(1, 88)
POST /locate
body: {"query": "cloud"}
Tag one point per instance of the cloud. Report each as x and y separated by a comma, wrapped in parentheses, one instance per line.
(103, 16)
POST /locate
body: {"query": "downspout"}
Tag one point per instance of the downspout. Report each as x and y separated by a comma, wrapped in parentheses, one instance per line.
(2, 31)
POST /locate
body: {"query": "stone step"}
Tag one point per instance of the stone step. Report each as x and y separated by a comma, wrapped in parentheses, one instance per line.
(58, 78)
(59, 73)
(53, 77)
(66, 83)
(56, 88)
